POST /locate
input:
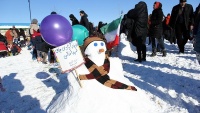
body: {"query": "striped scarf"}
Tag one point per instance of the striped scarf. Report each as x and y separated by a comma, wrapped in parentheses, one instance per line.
(100, 73)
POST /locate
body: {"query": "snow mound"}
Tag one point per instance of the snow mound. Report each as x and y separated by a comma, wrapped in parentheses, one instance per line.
(95, 97)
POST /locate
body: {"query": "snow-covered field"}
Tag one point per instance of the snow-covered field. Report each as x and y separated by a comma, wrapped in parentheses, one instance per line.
(165, 85)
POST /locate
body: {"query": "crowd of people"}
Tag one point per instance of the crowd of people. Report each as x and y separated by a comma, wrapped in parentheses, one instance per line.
(181, 25)
(178, 27)
(11, 43)
(41, 51)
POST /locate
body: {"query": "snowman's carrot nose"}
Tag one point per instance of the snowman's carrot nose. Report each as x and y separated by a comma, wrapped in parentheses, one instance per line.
(101, 50)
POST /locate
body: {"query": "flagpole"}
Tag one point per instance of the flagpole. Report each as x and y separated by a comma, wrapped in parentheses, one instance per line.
(29, 8)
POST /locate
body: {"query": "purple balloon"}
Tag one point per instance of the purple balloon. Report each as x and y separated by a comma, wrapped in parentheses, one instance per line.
(56, 30)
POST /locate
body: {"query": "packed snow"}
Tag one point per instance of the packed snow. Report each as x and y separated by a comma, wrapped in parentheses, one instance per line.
(164, 84)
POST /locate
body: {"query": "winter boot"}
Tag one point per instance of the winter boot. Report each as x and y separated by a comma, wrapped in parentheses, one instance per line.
(153, 53)
(164, 53)
(139, 56)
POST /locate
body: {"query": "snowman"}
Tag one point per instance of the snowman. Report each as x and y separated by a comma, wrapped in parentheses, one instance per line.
(98, 64)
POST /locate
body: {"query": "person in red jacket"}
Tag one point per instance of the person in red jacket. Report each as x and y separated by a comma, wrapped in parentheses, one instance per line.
(9, 36)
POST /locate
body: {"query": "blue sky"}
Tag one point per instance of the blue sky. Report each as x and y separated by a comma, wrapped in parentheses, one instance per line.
(17, 11)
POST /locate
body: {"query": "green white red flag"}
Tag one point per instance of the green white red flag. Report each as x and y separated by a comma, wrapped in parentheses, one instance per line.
(111, 32)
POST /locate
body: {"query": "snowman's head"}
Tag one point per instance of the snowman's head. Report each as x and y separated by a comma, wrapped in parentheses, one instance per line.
(94, 46)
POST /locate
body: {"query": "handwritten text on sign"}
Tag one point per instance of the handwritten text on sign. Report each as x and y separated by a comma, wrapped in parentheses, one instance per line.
(69, 56)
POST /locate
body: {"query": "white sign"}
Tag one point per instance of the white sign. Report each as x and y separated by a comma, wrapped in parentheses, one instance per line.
(69, 56)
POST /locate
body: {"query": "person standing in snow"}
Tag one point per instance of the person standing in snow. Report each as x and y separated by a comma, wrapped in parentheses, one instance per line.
(139, 31)
(42, 48)
(148, 25)
(73, 19)
(84, 20)
(168, 33)
(182, 21)
(156, 29)
(196, 33)
(126, 27)
(33, 32)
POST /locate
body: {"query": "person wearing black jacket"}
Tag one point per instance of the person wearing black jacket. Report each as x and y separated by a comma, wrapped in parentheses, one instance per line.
(126, 27)
(196, 32)
(196, 20)
(139, 32)
(42, 49)
(84, 20)
(182, 21)
(156, 29)
(73, 19)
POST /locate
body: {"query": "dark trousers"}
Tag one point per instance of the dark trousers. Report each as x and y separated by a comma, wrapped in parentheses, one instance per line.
(52, 57)
(34, 54)
(160, 42)
(149, 40)
(182, 36)
(141, 47)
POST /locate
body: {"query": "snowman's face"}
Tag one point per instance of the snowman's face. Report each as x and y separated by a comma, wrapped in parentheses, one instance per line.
(95, 48)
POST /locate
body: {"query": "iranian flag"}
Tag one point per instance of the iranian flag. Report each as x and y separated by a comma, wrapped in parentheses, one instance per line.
(111, 33)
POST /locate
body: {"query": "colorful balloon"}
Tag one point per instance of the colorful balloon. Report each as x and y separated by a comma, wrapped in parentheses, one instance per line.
(79, 34)
(56, 30)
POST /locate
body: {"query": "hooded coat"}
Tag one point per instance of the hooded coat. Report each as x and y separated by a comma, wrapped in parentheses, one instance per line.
(197, 19)
(197, 40)
(73, 19)
(140, 16)
(84, 21)
(197, 30)
(156, 28)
